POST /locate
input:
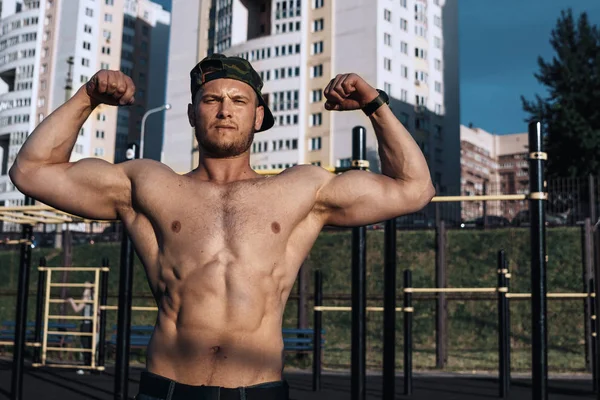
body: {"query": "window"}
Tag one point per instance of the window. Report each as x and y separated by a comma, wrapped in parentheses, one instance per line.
(316, 96)
(421, 53)
(101, 117)
(387, 15)
(105, 50)
(387, 87)
(315, 143)
(317, 47)
(438, 64)
(85, 62)
(83, 79)
(438, 87)
(316, 119)
(109, 2)
(81, 132)
(106, 34)
(404, 71)
(404, 95)
(89, 12)
(87, 29)
(99, 152)
(387, 64)
(99, 134)
(403, 24)
(387, 39)
(107, 17)
(316, 71)
(437, 42)
(44, 68)
(438, 109)
(317, 3)
(403, 3)
(437, 21)
(420, 100)
(318, 25)
(404, 47)
(104, 65)
(87, 45)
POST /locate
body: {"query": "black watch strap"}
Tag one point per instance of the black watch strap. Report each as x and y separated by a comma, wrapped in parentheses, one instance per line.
(374, 105)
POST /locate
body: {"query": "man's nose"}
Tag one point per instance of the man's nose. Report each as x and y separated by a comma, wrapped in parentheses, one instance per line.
(225, 109)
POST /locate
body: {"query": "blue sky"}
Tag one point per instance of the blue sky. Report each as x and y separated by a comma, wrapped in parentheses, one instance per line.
(499, 43)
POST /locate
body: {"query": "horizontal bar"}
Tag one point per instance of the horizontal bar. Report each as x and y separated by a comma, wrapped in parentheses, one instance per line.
(442, 199)
(71, 285)
(16, 241)
(59, 301)
(341, 308)
(71, 349)
(69, 317)
(450, 290)
(37, 365)
(89, 269)
(69, 333)
(30, 344)
(555, 295)
(134, 308)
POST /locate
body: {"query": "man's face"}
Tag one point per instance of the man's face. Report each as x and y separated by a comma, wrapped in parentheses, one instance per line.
(225, 114)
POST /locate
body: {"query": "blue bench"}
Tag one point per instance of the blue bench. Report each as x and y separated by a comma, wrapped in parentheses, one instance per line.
(8, 332)
(298, 340)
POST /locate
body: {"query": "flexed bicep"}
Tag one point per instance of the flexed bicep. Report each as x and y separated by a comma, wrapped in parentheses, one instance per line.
(357, 198)
(90, 188)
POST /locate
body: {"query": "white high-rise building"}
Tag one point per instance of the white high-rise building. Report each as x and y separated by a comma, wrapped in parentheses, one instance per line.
(409, 48)
(50, 48)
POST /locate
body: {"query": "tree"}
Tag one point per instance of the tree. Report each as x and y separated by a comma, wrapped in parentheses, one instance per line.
(571, 113)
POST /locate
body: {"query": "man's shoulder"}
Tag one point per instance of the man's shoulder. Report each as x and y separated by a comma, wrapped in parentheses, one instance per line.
(145, 168)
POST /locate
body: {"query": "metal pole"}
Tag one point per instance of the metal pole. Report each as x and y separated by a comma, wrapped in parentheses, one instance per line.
(593, 334)
(39, 309)
(441, 309)
(587, 258)
(359, 280)
(389, 312)
(21, 311)
(502, 326)
(537, 209)
(485, 219)
(408, 315)
(317, 332)
(144, 118)
(124, 318)
(103, 301)
(507, 324)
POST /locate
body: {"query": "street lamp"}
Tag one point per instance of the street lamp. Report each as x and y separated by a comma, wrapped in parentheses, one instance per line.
(146, 114)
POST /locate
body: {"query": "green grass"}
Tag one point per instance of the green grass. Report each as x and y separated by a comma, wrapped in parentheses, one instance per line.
(472, 332)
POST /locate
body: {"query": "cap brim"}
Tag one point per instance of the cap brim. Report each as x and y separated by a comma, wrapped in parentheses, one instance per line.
(268, 120)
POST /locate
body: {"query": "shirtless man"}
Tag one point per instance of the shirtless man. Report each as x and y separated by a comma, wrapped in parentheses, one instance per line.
(221, 245)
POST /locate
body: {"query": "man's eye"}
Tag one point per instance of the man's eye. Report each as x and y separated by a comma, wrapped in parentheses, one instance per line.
(240, 101)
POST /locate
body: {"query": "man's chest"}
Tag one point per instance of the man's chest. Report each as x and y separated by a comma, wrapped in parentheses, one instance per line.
(259, 210)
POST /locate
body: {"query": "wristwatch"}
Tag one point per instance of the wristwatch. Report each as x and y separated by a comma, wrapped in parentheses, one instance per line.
(380, 100)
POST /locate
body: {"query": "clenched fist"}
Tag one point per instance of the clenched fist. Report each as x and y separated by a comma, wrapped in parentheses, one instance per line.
(110, 87)
(348, 92)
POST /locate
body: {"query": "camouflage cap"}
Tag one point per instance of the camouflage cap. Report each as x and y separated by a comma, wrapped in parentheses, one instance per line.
(218, 66)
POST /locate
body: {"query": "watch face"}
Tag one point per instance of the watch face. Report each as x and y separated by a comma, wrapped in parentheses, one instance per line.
(384, 96)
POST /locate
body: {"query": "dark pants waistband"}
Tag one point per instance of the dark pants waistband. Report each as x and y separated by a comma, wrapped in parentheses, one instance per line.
(157, 386)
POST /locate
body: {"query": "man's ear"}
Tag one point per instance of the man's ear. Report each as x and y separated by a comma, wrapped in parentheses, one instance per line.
(260, 115)
(191, 115)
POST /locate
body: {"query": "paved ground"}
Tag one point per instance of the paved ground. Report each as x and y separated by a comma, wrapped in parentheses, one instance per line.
(66, 385)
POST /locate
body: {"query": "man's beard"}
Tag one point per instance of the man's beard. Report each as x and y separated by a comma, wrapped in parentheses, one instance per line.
(214, 149)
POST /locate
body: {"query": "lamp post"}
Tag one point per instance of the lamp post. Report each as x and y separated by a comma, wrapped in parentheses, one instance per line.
(146, 114)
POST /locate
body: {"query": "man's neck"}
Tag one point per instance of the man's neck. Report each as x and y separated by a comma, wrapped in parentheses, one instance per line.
(224, 170)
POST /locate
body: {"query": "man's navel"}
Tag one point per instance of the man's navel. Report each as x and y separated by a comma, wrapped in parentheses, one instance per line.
(176, 226)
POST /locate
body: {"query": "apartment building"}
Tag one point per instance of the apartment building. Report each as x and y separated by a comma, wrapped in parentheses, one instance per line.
(493, 164)
(50, 48)
(407, 48)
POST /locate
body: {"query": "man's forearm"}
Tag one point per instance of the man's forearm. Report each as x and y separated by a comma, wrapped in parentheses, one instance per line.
(53, 139)
(401, 157)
